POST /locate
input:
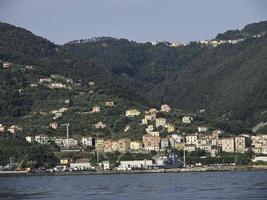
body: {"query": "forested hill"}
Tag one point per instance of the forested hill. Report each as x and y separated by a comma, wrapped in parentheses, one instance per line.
(228, 80)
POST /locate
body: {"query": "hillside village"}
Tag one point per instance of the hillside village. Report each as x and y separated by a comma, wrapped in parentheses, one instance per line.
(80, 117)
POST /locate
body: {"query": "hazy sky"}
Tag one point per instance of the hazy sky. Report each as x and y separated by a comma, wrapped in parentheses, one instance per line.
(140, 20)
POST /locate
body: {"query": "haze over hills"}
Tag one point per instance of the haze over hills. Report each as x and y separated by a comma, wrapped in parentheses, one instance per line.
(227, 79)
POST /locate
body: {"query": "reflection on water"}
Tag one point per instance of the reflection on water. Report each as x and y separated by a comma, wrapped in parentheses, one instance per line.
(13, 194)
(205, 185)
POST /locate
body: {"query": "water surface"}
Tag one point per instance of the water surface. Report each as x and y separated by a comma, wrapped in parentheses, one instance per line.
(203, 185)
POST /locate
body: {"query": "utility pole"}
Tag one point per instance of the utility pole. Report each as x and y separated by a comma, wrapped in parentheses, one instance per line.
(184, 149)
(67, 133)
(97, 153)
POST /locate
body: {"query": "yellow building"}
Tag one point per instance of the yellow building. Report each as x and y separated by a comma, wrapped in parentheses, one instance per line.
(99, 145)
(240, 144)
(228, 144)
(132, 113)
(170, 128)
(124, 144)
(108, 146)
(114, 146)
(151, 116)
(136, 145)
(160, 122)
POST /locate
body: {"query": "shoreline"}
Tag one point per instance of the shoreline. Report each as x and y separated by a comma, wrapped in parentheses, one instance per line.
(113, 172)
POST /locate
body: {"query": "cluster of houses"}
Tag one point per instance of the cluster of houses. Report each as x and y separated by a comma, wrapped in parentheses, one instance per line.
(215, 43)
(55, 82)
(212, 143)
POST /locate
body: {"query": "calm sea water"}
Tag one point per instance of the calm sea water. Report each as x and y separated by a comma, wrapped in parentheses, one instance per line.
(204, 185)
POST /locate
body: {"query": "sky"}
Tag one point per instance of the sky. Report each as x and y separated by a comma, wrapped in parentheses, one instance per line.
(61, 21)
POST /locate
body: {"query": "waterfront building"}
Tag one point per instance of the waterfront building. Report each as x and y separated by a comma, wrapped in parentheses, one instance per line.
(240, 144)
(151, 142)
(81, 164)
(135, 164)
(106, 165)
(228, 144)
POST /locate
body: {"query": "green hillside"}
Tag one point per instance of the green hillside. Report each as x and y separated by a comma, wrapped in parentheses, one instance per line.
(228, 81)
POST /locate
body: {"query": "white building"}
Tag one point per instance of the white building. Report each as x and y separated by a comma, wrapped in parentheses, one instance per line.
(45, 80)
(160, 122)
(149, 128)
(81, 164)
(165, 108)
(53, 125)
(29, 139)
(110, 104)
(144, 121)
(191, 139)
(56, 85)
(135, 164)
(260, 159)
(96, 109)
(202, 129)
(7, 64)
(42, 139)
(91, 83)
(87, 141)
(190, 148)
(63, 143)
(14, 129)
(187, 119)
(106, 165)
(178, 138)
(2, 128)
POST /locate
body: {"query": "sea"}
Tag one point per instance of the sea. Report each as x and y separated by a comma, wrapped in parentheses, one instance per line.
(189, 185)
